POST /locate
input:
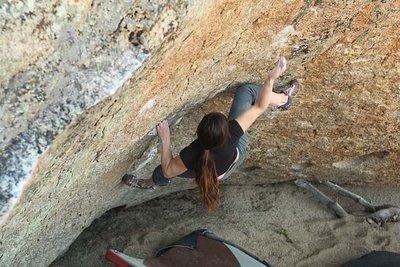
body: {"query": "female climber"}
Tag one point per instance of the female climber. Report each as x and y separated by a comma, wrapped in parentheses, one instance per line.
(221, 143)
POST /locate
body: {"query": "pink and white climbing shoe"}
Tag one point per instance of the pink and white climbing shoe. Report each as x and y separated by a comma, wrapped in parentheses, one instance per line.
(291, 92)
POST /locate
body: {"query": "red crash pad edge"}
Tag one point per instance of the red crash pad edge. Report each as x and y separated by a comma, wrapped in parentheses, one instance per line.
(112, 256)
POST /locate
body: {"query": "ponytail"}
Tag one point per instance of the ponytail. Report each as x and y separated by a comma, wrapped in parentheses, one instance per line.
(207, 180)
(212, 132)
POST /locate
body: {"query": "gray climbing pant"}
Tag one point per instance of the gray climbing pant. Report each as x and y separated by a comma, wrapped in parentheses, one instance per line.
(245, 96)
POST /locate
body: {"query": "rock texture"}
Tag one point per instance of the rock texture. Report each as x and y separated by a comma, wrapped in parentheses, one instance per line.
(344, 125)
(60, 58)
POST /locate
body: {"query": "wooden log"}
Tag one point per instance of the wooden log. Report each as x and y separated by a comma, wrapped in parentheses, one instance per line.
(329, 203)
(382, 216)
(346, 193)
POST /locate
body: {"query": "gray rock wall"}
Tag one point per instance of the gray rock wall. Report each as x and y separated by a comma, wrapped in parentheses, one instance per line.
(59, 59)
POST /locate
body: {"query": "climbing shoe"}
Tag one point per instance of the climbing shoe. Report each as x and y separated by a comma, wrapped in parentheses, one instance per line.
(291, 92)
(134, 182)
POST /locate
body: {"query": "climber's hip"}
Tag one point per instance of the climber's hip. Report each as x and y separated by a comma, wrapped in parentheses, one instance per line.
(159, 178)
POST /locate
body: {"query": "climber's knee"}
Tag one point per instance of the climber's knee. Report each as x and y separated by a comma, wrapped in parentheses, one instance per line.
(158, 177)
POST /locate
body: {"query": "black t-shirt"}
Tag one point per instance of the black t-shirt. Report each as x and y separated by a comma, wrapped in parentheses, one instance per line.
(223, 156)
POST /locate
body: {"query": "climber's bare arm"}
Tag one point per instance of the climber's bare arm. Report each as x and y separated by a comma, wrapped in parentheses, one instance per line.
(171, 166)
(266, 97)
(174, 168)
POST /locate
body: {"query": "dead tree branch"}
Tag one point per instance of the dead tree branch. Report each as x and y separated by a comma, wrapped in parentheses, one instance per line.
(346, 193)
(380, 214)
(329, 203)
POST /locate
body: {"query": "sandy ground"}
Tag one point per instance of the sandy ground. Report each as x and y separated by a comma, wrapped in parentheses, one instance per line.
(279, 223)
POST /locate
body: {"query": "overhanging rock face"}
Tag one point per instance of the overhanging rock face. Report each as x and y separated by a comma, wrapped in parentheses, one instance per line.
(344, 126)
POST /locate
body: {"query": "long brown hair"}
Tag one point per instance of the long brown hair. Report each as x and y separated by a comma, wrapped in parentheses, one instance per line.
(212, 132)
